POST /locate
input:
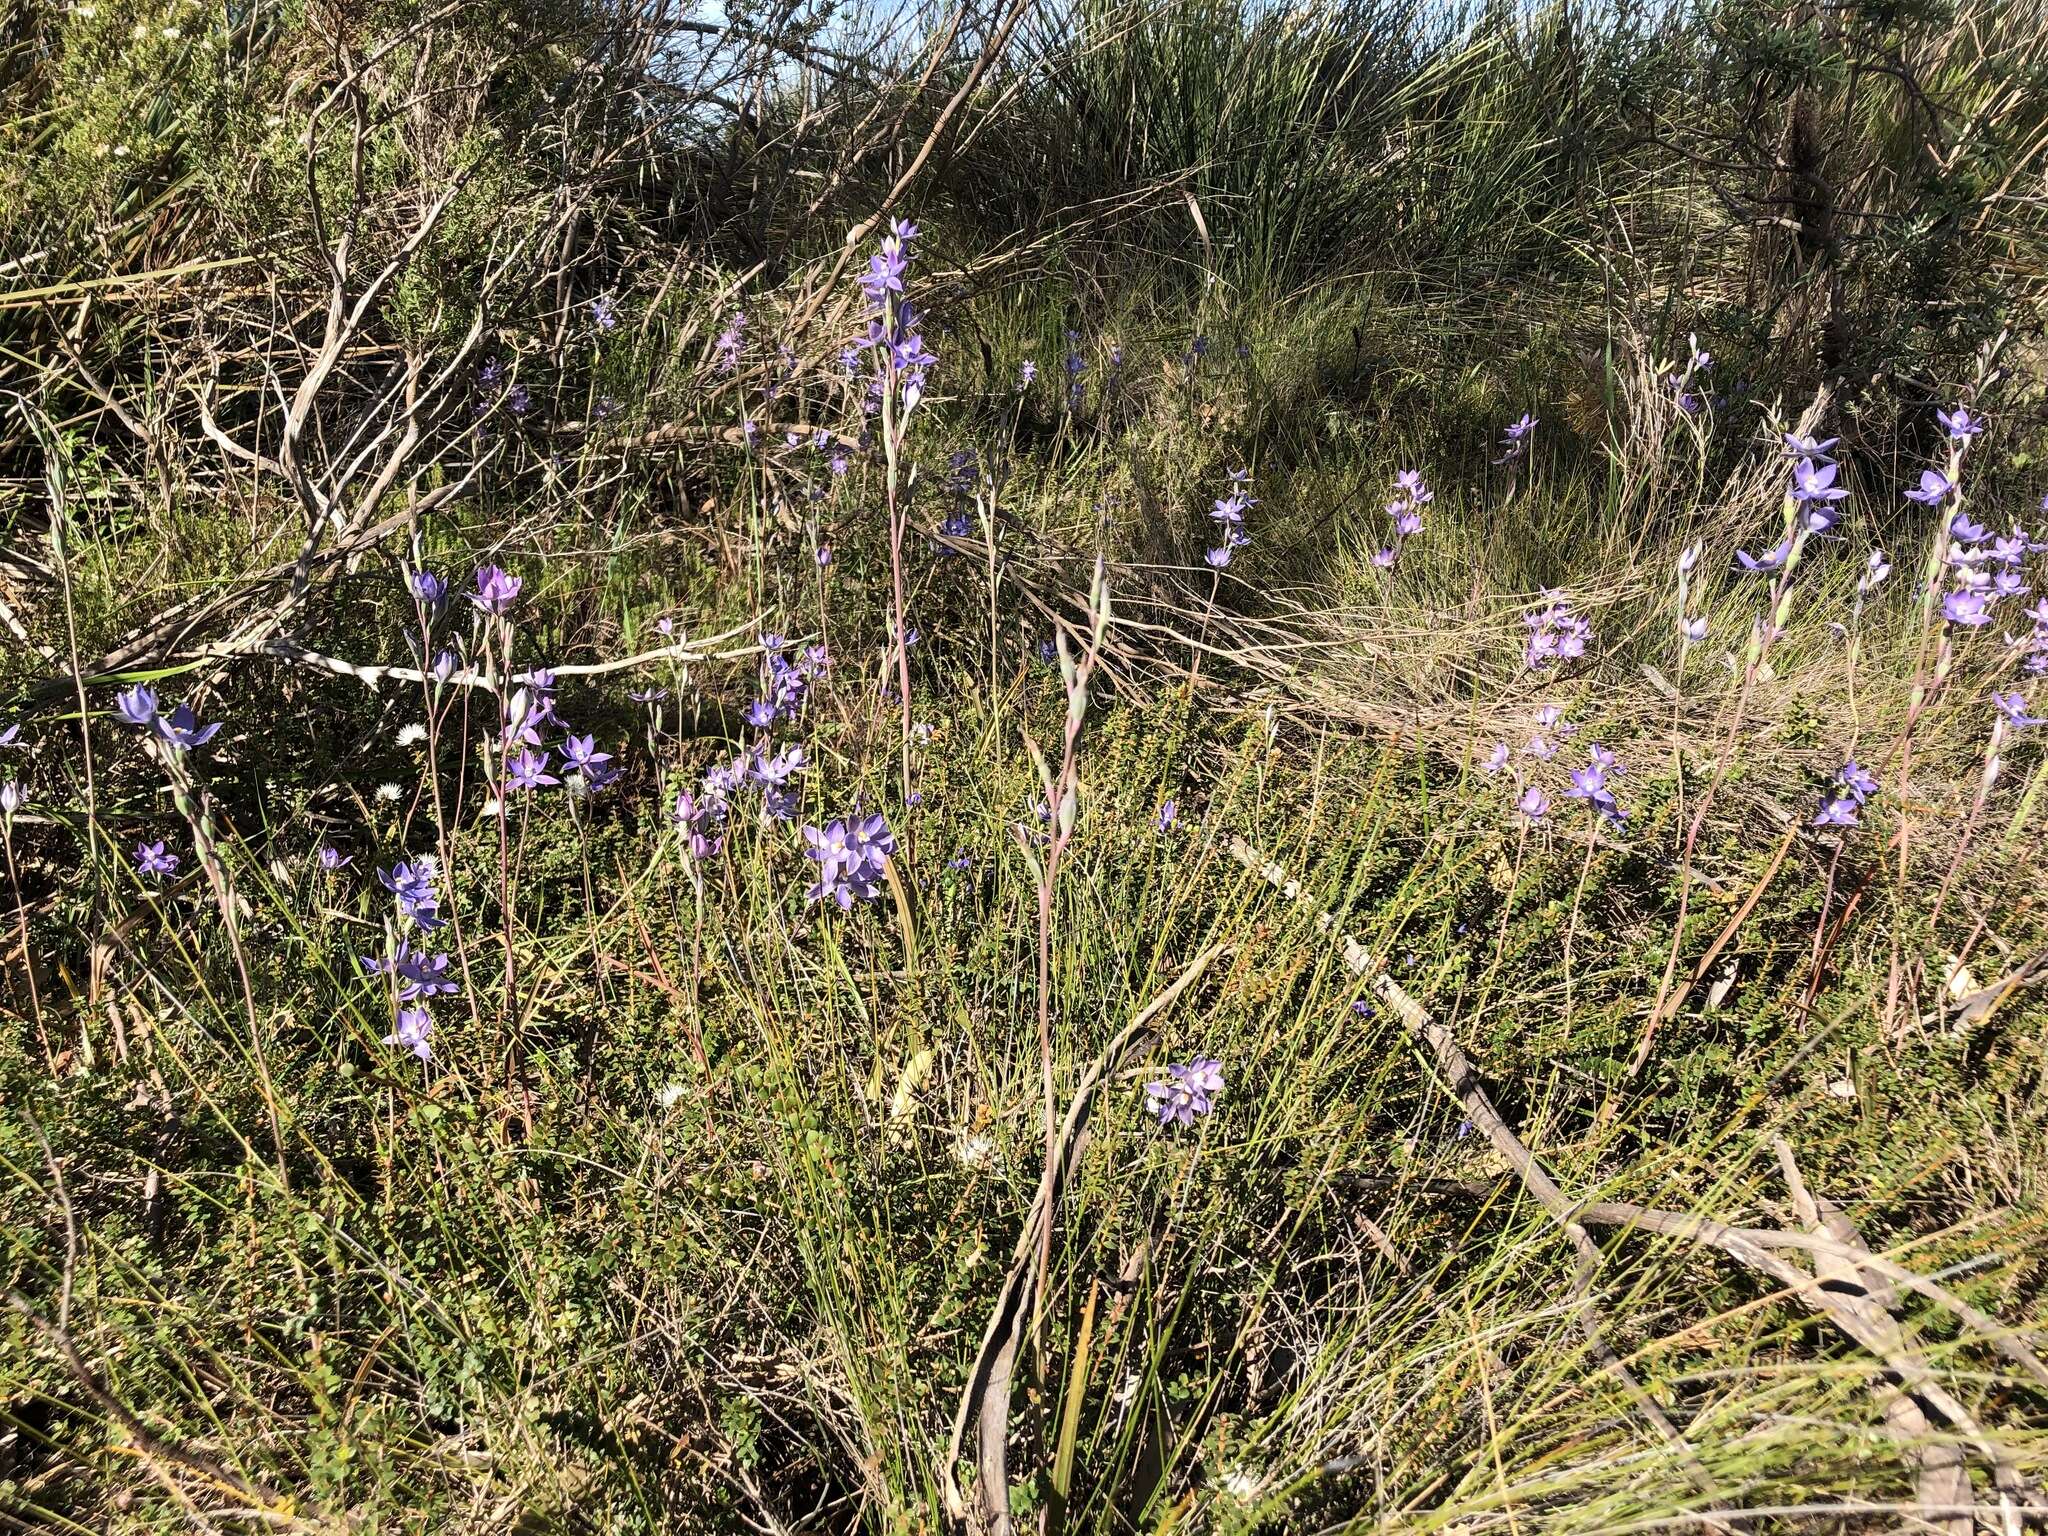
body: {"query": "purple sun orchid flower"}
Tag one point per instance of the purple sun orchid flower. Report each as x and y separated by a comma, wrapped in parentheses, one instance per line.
(778, 770)
(776, 774)
(580, 756)
(852, 855)
(421, 975)
(1188, 1089)
(1838, 812)
(1963, 531)
(430, 590)
(1693, 630)
(412, 884)
(1934, 488)
(884, 275)
(876, 842)
(1514, 441)
(830, 848)
(1220, 556)
(412, 1030)
(910, 357)
(1533, 804)
(1876, 569)
(1772, 559)
(1169, 816)
(496, 589)
(1800, 447)
(1231, 508)
(1959, 423)
(723, 781)
(1495, 760)
(1858, 780)
(1555, 633)
(151, 860)
(1969, 609)
(1814, 480)
(698, 820)
(137, 705)
(1384, 558)
(333, 860)
(417, 974)
(604, 310)
(653, 694)
(529, 770)
(524, 716)
(729, 341)
(2014, 707)
(1589, 783)
(180, 730)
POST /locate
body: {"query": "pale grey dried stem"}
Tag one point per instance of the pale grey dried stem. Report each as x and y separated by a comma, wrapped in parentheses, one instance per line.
(373, 674)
